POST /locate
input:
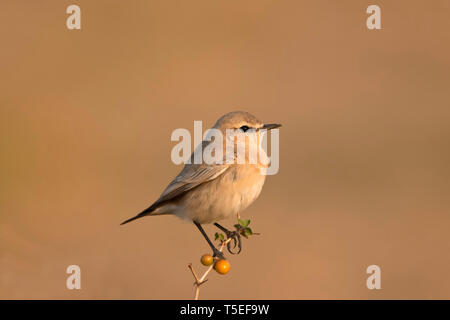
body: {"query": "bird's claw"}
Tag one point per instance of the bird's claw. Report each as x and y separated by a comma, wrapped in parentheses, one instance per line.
(236, 236)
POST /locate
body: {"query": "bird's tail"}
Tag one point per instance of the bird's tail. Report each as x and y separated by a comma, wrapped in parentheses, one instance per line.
(149, 211)
(134, 218)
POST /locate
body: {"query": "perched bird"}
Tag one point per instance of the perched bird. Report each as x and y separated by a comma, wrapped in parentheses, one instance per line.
(207, 193)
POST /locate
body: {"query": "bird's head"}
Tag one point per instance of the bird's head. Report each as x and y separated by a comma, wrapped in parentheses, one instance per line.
(242, 137)
(243, 121)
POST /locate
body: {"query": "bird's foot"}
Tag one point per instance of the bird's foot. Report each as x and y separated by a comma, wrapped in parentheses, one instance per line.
(236, 236)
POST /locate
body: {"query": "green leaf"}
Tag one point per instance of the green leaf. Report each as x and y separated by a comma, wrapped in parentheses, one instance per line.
(219, 236)
(248, 231)
(244, 223)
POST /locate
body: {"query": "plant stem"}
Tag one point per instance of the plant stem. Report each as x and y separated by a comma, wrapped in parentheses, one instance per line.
(202, 279)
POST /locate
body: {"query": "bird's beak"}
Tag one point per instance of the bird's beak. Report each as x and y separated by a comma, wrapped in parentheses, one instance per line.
(270, 126)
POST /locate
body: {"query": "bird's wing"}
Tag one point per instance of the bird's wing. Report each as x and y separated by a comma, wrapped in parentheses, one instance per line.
(193, 175)
(190, 177)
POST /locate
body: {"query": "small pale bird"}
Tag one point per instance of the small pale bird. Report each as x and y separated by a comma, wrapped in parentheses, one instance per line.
(207, 193)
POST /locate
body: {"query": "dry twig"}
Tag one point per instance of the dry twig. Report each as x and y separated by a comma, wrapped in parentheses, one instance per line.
(199, 281)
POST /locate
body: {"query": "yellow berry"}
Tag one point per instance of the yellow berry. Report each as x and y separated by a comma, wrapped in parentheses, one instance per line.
(207, 260)
(222, 266)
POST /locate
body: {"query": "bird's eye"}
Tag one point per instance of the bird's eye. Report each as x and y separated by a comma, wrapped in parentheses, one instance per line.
(244, 128)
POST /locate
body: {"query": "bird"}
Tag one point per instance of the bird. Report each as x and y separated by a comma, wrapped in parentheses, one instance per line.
(207, 193)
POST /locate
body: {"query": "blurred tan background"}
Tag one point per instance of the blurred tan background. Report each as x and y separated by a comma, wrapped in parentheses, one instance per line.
(85, 125)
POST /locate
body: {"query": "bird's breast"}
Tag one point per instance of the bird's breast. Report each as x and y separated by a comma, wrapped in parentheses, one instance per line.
(227, 195)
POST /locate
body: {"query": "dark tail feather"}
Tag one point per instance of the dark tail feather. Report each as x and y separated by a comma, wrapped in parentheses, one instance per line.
(134, 218)
(144, 213)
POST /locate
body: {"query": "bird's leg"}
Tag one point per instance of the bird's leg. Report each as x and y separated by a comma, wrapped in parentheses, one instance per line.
(216, 252)
(235, 235)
